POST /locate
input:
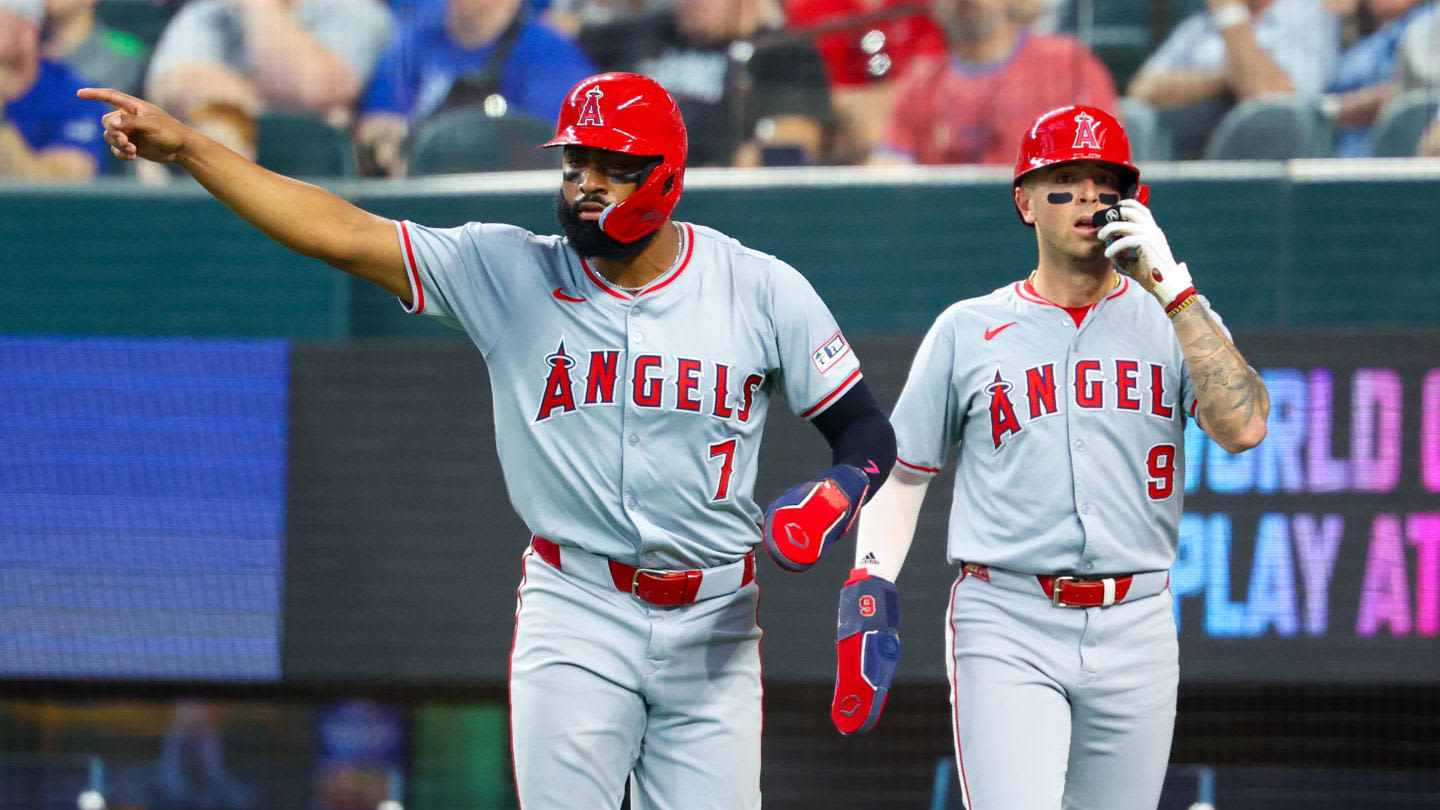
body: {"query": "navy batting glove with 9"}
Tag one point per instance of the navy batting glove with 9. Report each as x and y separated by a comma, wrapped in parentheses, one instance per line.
(867, 651)
(800, 524)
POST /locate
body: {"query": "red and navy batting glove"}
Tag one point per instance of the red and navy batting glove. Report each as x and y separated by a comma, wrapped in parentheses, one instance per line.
(867, 651)
(800, 524)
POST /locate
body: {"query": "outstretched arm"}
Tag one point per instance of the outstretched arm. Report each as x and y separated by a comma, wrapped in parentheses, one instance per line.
(304, 218)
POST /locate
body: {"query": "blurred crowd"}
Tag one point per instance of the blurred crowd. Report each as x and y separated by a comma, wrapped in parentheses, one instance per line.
(414, 87)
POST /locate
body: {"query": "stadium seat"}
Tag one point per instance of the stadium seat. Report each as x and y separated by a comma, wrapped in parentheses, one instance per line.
(1149, 139)
(1397, 130)
(300, 144)
(1272, 128)
(467, 139)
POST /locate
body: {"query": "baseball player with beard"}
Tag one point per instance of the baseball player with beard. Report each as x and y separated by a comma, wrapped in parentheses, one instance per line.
(632, 362)
(1064, 396)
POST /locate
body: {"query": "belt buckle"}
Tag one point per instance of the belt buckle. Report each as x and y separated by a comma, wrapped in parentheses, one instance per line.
(1055, 590)
(658, 573)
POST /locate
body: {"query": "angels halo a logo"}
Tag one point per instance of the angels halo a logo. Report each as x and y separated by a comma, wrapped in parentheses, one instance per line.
(1085, 137)
(590, 113)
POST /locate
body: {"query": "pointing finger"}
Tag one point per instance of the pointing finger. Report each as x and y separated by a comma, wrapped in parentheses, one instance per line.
(123, 101)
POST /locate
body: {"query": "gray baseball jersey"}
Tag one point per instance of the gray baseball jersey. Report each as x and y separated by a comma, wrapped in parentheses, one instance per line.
(1071, 461)
(1071, 441)
(628, 426)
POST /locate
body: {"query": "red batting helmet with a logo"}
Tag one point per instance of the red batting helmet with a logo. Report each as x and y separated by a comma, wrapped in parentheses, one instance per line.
(629, 113)
(1078, 132)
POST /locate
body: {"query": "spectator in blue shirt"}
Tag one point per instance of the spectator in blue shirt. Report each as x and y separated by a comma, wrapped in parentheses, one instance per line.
(45, 131)
(1363, 80)
(490, 52)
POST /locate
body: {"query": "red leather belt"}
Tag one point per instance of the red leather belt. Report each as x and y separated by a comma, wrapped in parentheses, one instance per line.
(650, 585)
(1067, 591)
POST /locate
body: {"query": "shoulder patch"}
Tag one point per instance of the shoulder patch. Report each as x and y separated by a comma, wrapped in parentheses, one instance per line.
(830, 352)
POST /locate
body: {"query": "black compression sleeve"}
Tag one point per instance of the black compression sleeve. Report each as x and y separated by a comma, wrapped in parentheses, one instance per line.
(859, 434)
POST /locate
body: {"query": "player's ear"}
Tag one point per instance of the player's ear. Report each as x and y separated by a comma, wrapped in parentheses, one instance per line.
(1023, 198)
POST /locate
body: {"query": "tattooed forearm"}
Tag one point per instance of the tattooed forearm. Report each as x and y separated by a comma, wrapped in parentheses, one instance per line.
(1233, 402)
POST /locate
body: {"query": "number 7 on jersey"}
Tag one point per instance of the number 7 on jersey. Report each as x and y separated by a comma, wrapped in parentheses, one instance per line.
(727, 450)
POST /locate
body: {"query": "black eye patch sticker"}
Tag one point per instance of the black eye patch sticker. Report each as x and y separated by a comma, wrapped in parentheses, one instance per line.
(1110, 199)
(1060, 197)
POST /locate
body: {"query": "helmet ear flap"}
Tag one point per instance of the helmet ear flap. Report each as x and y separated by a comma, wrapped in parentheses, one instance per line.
(643, 211)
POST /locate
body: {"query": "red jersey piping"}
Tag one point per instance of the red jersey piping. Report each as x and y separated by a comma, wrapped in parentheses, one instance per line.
(685, 262)
(414, 271)
(839, 389)
(916, 467)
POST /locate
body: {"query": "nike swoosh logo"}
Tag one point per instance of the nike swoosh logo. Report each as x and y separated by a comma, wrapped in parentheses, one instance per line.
(872, 467)
(989, 333)
(563, 297)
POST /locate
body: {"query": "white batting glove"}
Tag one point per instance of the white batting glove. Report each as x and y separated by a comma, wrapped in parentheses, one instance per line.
(1141, 252)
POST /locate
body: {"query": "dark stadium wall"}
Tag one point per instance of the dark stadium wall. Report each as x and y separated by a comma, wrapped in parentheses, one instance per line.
(1270, 253)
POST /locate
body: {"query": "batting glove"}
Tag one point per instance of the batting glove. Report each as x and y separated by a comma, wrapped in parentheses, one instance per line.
(1139, 250)
(803, 522)
(867, 651)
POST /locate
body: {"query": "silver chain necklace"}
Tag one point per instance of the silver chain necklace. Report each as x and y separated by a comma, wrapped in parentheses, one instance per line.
(679, 249)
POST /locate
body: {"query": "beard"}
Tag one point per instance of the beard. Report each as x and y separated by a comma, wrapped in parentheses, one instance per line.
(588, 240)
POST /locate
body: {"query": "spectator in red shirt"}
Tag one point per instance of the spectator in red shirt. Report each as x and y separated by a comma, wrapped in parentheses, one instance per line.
(862, 60)
(998, 77)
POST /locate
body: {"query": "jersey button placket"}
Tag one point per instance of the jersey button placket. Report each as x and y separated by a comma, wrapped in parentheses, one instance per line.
(630, 416)
(1077, 450)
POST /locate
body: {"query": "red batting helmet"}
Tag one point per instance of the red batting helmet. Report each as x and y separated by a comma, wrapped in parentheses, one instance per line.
(1078, 132)
(626, 112)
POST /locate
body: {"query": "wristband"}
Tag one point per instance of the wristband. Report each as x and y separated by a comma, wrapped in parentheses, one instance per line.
(1231, 15)
(1182, 302)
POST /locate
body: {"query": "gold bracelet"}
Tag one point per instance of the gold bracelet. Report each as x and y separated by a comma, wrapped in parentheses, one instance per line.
(1187, 302)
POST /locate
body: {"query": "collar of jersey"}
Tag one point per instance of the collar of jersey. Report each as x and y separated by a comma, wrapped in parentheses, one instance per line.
(1027, 293)
(611, 290)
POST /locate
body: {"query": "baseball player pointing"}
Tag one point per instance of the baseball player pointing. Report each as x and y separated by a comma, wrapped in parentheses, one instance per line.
(1066, 394)
(632, 362)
